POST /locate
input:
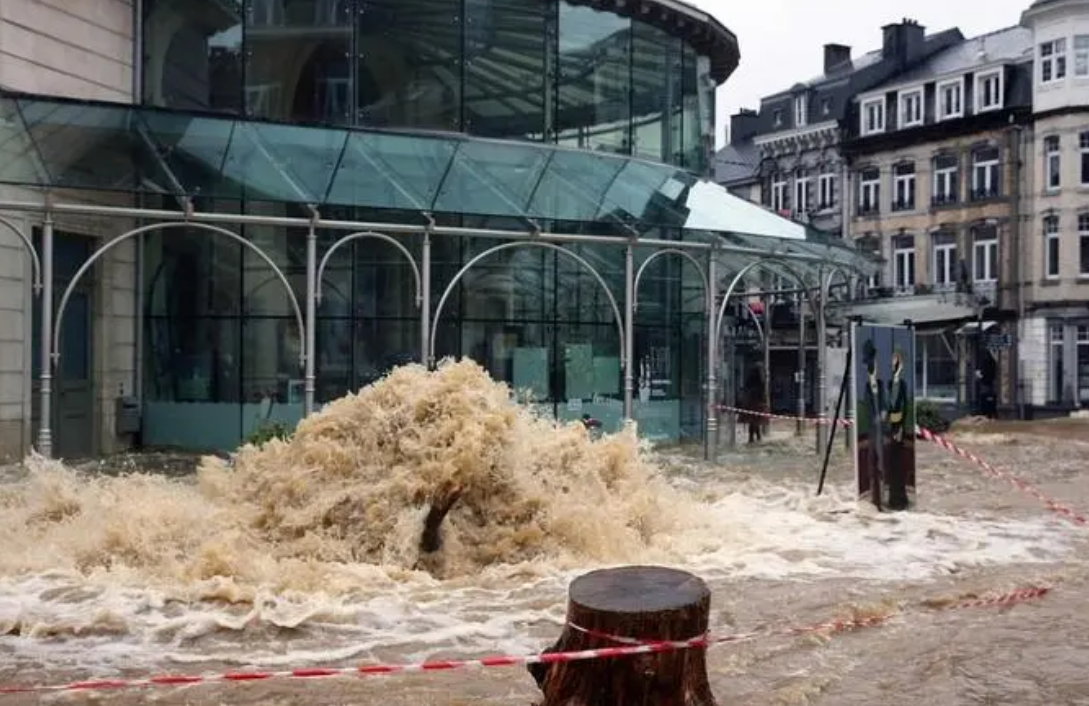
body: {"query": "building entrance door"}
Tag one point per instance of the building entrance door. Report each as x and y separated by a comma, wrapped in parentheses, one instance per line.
(73, 379)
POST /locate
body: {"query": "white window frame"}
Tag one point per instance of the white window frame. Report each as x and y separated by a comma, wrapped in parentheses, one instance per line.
(800, 114)
(902, 103)
(1083, 242)
(958, 84)
(990, 168)
(878, 104)
(988, 251)
(1083, 154)
(1051, 57)
(1052, 234)
(826, 190)
(1081, 55)
(998, 76)
(777, 118)
(873, 185)
(780, 189)
(801, 194)
(908, 184)
(900, 278)
(950, 273)
(1052, 163)
(951, 179)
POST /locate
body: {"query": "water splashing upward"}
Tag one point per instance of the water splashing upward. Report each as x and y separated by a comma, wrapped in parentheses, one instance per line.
(353, 486)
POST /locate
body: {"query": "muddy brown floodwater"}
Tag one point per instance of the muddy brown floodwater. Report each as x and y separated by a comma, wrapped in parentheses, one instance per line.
(774, 555)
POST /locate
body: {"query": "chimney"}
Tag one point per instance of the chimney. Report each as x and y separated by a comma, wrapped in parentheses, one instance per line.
(904, 41)
(836, 56)
(744, 125)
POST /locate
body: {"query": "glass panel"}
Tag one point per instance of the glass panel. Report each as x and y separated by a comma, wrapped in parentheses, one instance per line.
(384, 283)
(18, 159)
(284, 163)
(391, 171)
(647, 193)
(192, 359)
(193, 55)
(574, 185)
(491, 178)
(84, 146)
(381, 345)
(505, 67)
(695, 72)
(656, 91)
(594, 96)
(298, 60)
(263, 294)
(193, 150)
(270, 363)
(409, 64)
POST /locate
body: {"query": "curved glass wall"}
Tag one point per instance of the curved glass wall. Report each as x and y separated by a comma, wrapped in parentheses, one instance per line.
(543, 70)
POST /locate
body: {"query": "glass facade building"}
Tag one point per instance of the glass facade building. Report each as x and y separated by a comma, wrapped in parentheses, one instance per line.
(543, 70)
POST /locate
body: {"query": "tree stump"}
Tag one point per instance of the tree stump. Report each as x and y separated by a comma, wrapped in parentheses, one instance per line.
(644, 603)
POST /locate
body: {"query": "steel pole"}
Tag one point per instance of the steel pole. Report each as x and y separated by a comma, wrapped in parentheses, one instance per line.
(45, 412)
(710, 446)
(801, 368)
(425, 301)
(629, 328)
(310, 345)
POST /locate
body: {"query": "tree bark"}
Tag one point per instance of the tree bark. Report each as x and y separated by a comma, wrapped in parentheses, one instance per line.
(644, 603)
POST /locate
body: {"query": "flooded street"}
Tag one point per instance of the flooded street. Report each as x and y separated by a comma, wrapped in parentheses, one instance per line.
(774, 555)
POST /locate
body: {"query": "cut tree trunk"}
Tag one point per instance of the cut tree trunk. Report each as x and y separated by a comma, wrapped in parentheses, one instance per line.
(644, 603)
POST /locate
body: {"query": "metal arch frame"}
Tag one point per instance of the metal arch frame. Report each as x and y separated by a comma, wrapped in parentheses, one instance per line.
(364, 235)
(456, 280)
(822, 346)
(36, 263)
(45, 441)
(708, 277)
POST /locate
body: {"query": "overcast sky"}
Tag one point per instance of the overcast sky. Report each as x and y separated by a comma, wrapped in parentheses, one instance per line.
(782, 40)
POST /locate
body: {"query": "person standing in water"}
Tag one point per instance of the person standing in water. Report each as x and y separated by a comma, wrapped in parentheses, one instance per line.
(897, 439)
(873, 401)
(752, 400)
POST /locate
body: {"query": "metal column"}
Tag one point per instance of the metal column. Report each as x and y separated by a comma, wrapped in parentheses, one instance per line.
(425, 301)
(310, 346)
(629, 328)
(730, 379)
(45, 413)
(801, 366)
(822, 365)
(710, 445)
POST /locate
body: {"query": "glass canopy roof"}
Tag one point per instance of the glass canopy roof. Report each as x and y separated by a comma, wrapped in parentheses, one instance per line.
(63, 144)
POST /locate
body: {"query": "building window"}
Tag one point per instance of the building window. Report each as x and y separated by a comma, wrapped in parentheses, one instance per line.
(935, 368)
(1051, 247)
(800, 105)
(1083, 244)
(903, 262)
(870, 244)
(873, 116)
(826, 106)
(826, 183)
(1052, 163)
(869, 191)
(946, 179)
(989, 91)
(945, 260)
(1083, 364)
(911, 107)
(985, 254)
(903, 196)
(1056, 374)
(802, 186)
(951, 99)
(985, 173)
(777, 118)
(1053, 61)
(780, 193)
(1081, 55)
(1083, 148)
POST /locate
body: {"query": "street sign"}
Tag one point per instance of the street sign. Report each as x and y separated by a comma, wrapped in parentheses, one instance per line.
(998, 341)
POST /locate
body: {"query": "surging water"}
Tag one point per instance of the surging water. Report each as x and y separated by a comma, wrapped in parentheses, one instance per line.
(307, 551)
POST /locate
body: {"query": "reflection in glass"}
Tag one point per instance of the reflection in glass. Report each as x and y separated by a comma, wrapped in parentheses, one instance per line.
(505, 67)
(697, 114)
(656, 74)
(270, 360)
(594, 94)
(192, 55)
(409, 64)
(298, 60)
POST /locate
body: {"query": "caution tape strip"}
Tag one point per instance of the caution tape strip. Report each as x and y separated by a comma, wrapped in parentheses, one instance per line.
(628, 648)
(1022, 485)
(786, 417)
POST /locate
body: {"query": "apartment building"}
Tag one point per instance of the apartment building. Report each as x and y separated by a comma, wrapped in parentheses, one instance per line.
(934, 161)
(1055, 329)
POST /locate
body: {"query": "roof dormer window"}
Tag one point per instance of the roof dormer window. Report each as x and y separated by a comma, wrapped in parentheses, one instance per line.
(801, 105)
(989, 91)
(872, 116)
(951, 99)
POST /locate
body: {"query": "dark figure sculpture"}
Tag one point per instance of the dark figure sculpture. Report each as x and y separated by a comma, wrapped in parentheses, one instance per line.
(896, 458)
(873, 400)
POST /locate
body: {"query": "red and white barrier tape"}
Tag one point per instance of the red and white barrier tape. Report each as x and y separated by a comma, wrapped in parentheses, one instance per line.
(1013, 480)
(786, 417)
(628, 647)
